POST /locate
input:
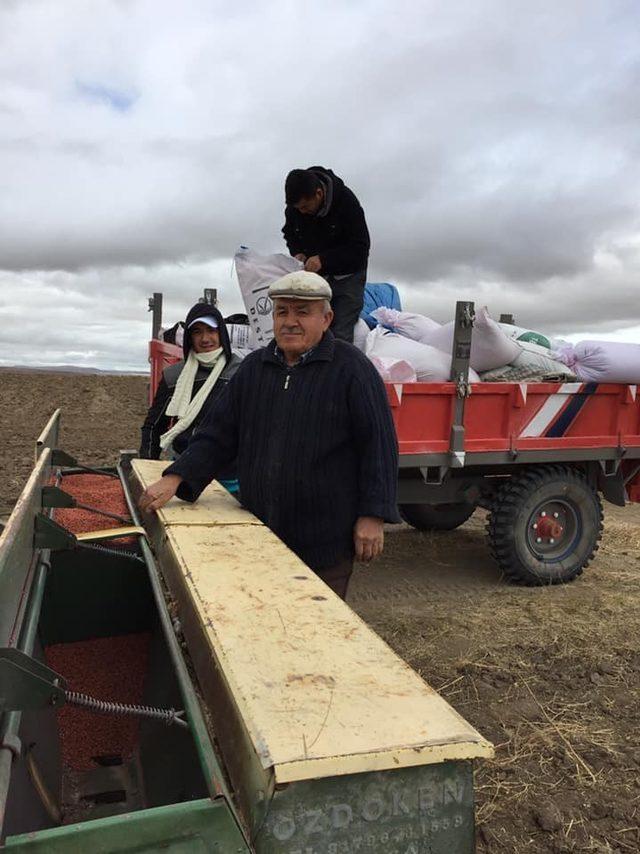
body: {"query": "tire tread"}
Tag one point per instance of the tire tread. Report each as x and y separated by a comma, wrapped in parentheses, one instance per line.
(502, 518)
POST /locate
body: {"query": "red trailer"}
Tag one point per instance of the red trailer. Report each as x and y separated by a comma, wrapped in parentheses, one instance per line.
(537, 456)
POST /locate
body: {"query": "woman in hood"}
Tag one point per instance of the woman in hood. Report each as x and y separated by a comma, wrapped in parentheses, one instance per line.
(188, 388)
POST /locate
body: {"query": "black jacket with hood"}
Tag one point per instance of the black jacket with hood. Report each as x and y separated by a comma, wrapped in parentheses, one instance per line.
(157, 421)
(337, 233)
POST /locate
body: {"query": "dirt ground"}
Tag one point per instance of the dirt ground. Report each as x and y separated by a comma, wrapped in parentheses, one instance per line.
(550, 675)
(101, 414)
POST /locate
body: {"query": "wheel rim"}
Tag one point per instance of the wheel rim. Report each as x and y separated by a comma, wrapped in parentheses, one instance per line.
(553, 530)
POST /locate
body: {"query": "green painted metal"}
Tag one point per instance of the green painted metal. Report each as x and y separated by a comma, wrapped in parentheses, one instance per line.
(17, 561)
(253, 783)
(18, 566)
(11, 724)
(214, 775)
(112, 598)
(72, 466)
(463, 330)
(49, 535)
(31, 587)
(49, 436)
(62, 458)
(53, 496)
(26, 683)
(196, 826)
(11, 721)
(424, 810)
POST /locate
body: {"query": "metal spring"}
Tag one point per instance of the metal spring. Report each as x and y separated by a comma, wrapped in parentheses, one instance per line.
(167, 716)
(106, 513)
(113, 552)
(89, 469)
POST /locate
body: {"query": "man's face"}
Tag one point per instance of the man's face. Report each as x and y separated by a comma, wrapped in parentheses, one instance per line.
(310, 205)
(298, 325)
(204, 339)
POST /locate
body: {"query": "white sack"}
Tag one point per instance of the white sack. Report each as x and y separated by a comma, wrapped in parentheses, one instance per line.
(255, 273)
(519, 334)
(394, 370)
(360, 332)
(430, 365)
(602, 361)
(414, 326)
(241, 336)
(490, 347)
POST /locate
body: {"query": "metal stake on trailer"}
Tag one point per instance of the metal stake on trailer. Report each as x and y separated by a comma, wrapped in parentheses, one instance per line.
(155, 305)
(463, 330)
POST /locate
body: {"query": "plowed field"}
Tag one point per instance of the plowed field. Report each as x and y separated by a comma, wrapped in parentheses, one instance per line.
(550, 675)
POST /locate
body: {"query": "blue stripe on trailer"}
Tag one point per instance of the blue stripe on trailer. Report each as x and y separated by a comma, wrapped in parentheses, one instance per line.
(568, 416)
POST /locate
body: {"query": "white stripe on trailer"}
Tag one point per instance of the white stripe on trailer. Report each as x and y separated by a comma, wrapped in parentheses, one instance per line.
(457, 459)
(549, 410)
(634, 391)
(398, 388)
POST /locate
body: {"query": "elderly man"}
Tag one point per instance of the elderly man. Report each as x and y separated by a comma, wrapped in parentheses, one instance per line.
(309, 421)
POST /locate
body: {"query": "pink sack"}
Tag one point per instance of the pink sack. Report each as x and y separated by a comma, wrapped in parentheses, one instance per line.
(430, 365)
(414, 326)
(602, 361)
(394, 370)
(491, 348)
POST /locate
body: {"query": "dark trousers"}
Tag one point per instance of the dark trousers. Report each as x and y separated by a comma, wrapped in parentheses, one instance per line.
(337, 577)
(347, 301)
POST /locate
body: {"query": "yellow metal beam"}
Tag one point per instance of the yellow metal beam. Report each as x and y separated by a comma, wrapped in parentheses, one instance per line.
(318, 693)
(111, 533)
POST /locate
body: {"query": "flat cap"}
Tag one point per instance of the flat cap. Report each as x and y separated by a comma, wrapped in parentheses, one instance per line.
(300, 285)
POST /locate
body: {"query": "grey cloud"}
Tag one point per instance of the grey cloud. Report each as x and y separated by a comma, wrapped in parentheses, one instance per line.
(551, 306)
(494, 147)
(44, 317)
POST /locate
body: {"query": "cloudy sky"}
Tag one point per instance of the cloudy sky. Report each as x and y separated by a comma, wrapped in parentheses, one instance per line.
(494, 144)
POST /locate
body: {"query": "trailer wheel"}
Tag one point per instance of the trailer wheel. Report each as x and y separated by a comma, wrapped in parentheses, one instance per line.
(545, 525)
(436, 517)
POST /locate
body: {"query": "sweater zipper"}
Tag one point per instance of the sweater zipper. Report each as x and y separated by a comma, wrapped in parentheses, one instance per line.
(286, 381)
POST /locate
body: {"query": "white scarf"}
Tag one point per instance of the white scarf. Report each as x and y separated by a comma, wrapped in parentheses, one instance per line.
(181, 404)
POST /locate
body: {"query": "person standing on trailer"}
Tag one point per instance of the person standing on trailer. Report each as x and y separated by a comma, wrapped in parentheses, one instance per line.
(188, 388)
(309, 420)
(325, 228)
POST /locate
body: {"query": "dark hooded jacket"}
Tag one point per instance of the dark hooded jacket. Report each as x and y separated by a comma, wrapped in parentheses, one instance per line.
(337, 233)
(157, 421)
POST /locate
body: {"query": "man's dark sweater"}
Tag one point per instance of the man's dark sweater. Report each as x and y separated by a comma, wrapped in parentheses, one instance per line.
(315, 443)
(337, 233)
